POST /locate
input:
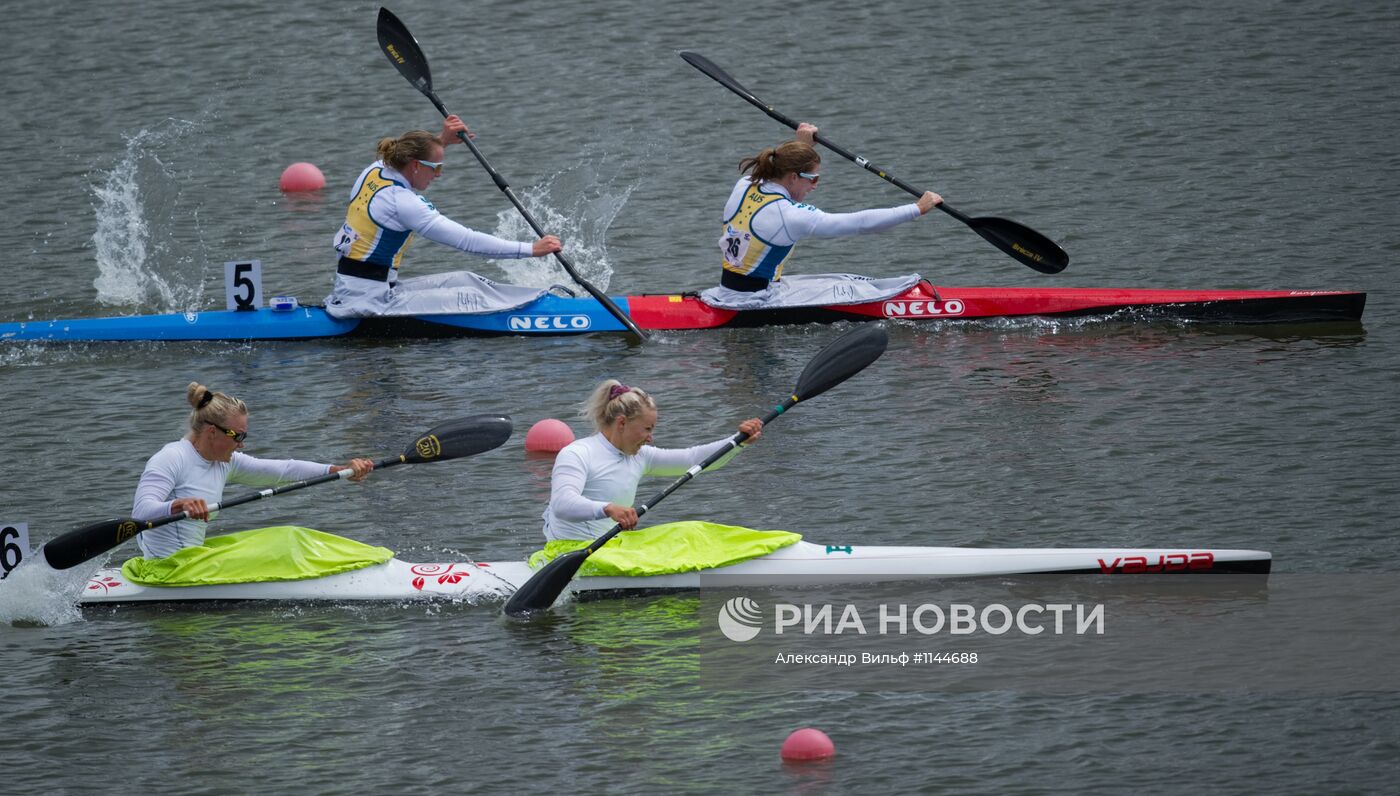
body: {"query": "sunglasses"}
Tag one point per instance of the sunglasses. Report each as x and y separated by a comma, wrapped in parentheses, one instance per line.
(236, 436)
(812, 177)
(435, 166)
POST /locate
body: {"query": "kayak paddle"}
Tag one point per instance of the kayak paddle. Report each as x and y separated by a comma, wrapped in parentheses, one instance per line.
(843, 358)
(1021, 242)
(407, 57)
(451, 440)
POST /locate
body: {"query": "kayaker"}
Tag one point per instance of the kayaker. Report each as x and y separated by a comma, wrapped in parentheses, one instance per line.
(766, 216)
(187, 474)
(594, 480)
(386, 211)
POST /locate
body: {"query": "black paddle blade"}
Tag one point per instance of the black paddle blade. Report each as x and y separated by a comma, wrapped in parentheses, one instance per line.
(1022, 242)
(545, 586)
(843, 358)
(403, 51)
(712, 69)
(88, 542)
(454, 439)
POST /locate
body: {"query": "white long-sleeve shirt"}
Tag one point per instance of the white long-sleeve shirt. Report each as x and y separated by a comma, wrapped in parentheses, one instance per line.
(590, 473)
(400, 209)
(785, 223)
(178, 471)
(383, 215)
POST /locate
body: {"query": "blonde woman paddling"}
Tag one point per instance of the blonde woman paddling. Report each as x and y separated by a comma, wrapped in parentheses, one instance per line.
(188, 474)
(594, 481)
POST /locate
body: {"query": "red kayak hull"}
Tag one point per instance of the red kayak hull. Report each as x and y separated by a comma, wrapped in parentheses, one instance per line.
(925, 302)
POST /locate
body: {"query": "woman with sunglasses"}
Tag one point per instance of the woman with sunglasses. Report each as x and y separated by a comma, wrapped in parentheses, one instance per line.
(188, 474)
(765, 216)
(386, 211)
(594, 480)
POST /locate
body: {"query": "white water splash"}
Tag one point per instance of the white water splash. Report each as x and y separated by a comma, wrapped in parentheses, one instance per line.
(138, 209)
(36, 595)
(577, 204)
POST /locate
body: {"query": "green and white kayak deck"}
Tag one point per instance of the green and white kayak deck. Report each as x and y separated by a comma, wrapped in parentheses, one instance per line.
(802, 563)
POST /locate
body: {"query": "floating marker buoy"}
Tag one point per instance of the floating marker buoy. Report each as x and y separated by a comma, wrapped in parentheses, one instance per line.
(548, 436)
(808, 743)
(302, 177)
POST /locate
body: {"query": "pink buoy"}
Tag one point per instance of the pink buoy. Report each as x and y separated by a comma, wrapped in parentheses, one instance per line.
(302, 177)
(548, 436)
(808, 743)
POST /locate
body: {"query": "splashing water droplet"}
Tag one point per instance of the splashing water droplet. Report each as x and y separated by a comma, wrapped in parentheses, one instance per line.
(139, 210)
(577, 204)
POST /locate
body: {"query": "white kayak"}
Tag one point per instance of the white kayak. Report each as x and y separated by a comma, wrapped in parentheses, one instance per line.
(802, 563)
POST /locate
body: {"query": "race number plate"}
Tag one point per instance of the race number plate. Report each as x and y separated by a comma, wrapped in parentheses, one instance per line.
(243, 284)
(14, 545)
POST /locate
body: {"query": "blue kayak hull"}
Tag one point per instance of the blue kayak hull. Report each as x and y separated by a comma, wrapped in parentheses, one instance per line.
(550, 315)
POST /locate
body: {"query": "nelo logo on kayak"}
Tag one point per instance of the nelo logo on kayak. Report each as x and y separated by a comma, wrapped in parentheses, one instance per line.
(922, 308)
(548, 323)
(1170, 562)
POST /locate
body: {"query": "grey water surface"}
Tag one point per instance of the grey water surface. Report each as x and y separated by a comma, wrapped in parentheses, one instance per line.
(1236, 144)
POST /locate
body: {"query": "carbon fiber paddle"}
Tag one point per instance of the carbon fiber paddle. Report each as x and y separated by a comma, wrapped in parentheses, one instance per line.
(1018, 240)
(404, 53)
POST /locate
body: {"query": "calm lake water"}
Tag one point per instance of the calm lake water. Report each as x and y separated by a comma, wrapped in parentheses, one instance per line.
(1232, 145)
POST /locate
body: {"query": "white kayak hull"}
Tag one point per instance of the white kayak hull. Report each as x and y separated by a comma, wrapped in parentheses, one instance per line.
(801, 563)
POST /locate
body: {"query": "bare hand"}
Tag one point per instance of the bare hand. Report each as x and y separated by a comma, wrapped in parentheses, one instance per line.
(451, 126)
(753, 427)
(626, 516)
(929, 201)
(361, 468)
(806, 133)
(546, 245)
(195, 508)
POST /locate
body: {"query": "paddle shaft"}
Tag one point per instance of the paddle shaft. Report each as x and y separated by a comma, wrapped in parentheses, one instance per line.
(85, 543)
(339, 475)
(1031, 248)
(529, 219)
(451, 440)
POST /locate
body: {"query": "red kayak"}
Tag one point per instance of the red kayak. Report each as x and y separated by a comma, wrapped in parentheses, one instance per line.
(925, 302)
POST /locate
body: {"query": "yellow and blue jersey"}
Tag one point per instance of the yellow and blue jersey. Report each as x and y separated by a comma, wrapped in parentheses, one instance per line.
(744, 251)
(364, 238)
